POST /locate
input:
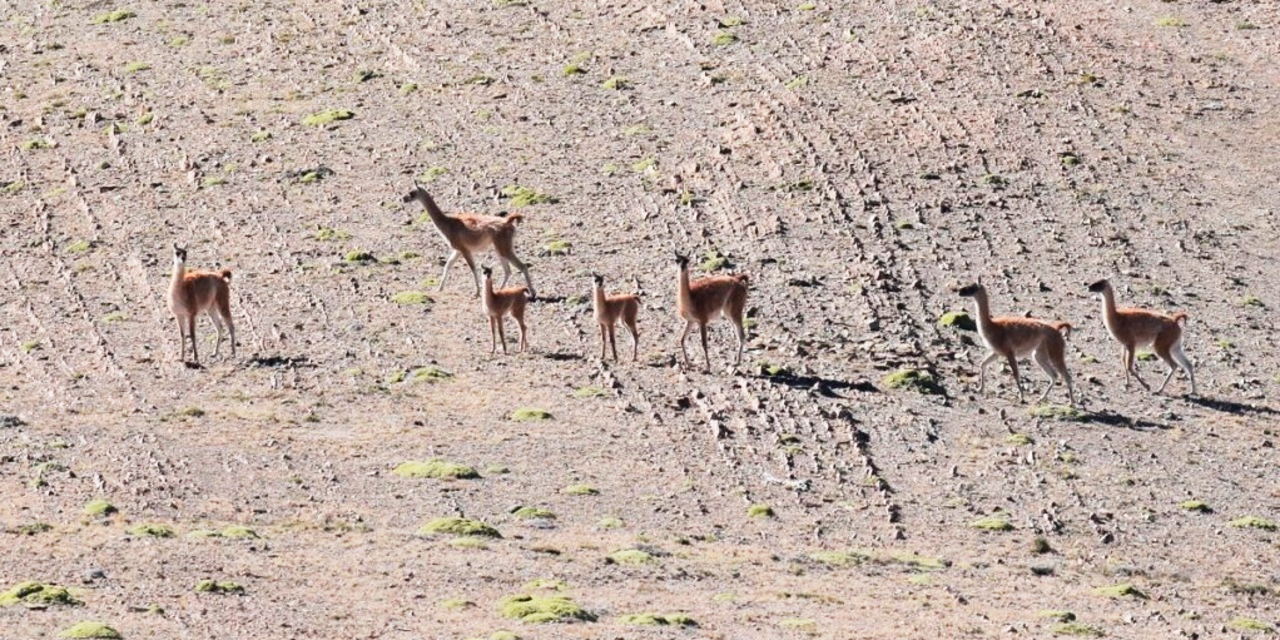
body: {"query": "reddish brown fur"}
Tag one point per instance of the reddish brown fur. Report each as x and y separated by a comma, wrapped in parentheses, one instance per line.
(470, 233)
(1014, 337)
(610, 309)
(1134, 328)
(703, 300)
(502, 302)
(194, 292)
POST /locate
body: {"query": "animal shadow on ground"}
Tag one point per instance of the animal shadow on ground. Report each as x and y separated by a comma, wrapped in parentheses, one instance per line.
(825, 386)
(281, 361)
(1113, 419)
(560, 356)
(1229, 406)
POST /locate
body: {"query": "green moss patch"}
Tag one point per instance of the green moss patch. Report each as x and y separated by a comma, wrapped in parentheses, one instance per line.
(328, 116)
(1060, 615)
(79, 246)
(632, 556)
(589, 392)
(1076, 629)
(1252, 301)
(37, 595)
(1249, 624)
(713, 260)
(96, 508)
(456, 604)
(435, 468)
(919, 563)
(799, 624)
(557, 248)
(839, 558)
(1059, 412)
(530, 414)
(958, 320)
(411, 297)
(329, 233)
(108, 17)
(359, 256)
(609, 522)
(723, 38)
(534, 513)
(1253, 522)
(538, 609)
(430, 175)
(468, 542)
(617, 83)
(760, 511)
(997, 522)
(151, 530)
(525, 196)
(913, 380)
(238, 532)
(579, 490)
(428, 374)
(225, 587)
(1018, 439)
(503, 635)
(658, 619)
(459, 527)
(88, 629)
(1196, 505)
(1120, 591)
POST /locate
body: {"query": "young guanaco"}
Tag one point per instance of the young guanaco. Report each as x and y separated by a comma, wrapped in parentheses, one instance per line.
(500, 303)
(1134, 328)
(193, 292)
(469, 234)
(703, 300)
(1014, 337)
(610, 309)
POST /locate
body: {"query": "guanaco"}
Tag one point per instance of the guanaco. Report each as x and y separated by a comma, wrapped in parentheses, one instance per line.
(1014, 337)
(703, 300)
(469, 234)
(191, 293)
(1134, 328)
(500, 303)
(610, 309)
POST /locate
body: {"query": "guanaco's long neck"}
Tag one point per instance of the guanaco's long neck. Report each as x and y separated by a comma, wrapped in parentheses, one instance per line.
(429, 203)
(685, 298)
(489, 296)
(598, 299)
(984, 312)
(1110, 315)
(179, 272)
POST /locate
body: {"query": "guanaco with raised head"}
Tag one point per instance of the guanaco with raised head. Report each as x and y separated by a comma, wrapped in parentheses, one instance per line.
(610, 309)
(469, 234)
(193, 292)
(1134, 328)
(703, 300)
(510, 301)
(1014, 337)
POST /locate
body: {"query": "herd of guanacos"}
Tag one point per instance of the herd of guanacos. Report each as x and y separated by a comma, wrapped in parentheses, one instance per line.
(699, 302)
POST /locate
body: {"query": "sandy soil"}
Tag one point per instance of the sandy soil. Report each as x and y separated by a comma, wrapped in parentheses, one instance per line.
(858, 161)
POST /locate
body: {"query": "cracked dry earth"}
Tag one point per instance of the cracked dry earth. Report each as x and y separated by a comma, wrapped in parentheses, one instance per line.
(857, 160)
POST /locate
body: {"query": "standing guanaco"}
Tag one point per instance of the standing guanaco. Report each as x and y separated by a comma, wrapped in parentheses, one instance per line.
(1013, 337)
(191, 293)
(608, 310)
(1134, 328)
(500, 303)
(703, 300)
(469, 234)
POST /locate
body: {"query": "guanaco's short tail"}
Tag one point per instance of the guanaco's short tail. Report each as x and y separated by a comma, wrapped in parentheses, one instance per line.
(513, 218)
(1180, 317)
(1064, 327)
(226, 274)
(743, 278)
